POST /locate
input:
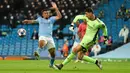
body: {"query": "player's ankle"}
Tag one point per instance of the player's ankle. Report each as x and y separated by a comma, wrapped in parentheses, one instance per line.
(61, 64)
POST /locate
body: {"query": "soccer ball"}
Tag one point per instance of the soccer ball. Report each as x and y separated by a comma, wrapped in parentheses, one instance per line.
(21, 32)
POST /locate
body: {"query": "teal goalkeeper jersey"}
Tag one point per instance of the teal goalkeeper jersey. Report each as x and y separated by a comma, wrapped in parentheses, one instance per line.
(92, 27)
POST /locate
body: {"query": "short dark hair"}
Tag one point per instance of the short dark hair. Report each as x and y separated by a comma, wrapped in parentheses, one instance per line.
(89, 9)
(44, 10)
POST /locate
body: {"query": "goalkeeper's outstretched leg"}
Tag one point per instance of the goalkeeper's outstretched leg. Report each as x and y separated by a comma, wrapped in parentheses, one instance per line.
(77, 49)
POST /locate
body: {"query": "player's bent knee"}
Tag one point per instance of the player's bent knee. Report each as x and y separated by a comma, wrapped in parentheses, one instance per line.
(80, 57)
(74, 50)
(41, 43)
(77, 49)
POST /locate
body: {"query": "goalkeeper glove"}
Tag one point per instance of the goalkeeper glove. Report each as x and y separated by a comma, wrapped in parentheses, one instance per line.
(71, 28)
(105, 40)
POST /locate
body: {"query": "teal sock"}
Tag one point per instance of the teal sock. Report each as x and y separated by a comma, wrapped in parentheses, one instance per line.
(38, 50)
(52, 61)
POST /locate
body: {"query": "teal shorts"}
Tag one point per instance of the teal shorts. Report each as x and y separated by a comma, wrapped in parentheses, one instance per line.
(86, 43)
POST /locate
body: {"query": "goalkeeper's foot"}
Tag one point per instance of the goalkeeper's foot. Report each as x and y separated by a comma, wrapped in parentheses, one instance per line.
(37, 56)
(59, 67)
(98, 63)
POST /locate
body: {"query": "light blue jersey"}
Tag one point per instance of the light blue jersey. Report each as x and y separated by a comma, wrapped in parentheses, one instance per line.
(77, 40)
(76, 35)
(46, 25)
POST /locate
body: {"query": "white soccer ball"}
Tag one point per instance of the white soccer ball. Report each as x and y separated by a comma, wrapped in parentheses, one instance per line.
(21, 32)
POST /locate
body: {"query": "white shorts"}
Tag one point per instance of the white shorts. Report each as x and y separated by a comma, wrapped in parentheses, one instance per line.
(49, 42)
(74, 45)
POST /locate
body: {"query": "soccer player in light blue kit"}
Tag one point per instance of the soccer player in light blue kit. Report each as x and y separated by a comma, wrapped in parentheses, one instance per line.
(45, 32)
(75, 33)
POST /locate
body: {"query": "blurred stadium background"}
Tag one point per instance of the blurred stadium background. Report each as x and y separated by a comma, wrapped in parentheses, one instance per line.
(12, 12)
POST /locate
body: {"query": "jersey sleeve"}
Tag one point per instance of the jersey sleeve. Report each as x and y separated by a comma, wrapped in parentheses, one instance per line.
(53, 19)
(79, 17)
(104, 29)
(38, 19)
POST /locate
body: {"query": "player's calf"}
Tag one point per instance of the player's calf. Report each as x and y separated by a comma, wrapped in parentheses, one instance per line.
(52, 54)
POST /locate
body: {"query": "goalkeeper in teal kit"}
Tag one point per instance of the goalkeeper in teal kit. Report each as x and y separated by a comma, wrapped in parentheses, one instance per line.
(89, 39)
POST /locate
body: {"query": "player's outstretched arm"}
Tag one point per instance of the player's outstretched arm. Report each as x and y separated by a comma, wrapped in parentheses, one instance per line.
(29, 21)
(54, 6)
(104, 29)
(105, 33)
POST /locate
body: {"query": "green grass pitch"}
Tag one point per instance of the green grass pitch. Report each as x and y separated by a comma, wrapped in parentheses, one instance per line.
(41, 66)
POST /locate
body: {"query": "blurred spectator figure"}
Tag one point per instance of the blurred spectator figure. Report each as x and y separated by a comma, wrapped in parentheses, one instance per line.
(22, 16)
(109, 45)
(11, 20)
(59, 34)
(6, 4)
(101, 14)
(119, 14)
(96, 49)
(17, 18)
(38, 7)
(101, 40)
(124, 32)
(61, 51)
(34, 35)
(1, 7)
(65, 48)
(123, 9)
(11, 17)
(127, 14)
